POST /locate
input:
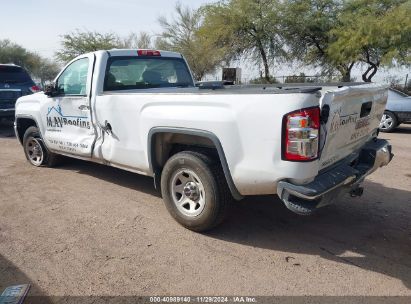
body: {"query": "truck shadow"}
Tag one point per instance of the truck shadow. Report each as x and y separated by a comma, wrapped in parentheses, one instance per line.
(372, 233)
(12, 275)
(113, 175)
(404, 129)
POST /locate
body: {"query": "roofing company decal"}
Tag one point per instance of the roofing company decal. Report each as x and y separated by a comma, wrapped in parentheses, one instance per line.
(339, 121)
(56, 119)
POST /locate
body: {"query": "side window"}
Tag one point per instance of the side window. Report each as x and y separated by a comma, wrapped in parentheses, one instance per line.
(73, 81)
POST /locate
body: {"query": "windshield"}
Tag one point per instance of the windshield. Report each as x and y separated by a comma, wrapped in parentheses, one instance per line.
(13, 74)
(127, 73)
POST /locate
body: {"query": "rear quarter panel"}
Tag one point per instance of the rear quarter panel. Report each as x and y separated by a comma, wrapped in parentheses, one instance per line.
(248, 126)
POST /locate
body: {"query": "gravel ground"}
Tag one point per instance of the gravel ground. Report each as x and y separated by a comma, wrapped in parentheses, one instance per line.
(85, 229)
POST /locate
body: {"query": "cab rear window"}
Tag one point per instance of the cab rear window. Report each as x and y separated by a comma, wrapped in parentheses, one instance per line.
(14, 74)
(128, 73)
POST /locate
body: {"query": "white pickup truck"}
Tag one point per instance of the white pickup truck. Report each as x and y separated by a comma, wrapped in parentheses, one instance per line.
(140, 110)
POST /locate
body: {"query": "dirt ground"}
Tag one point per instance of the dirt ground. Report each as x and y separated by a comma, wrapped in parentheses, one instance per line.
(86, 229)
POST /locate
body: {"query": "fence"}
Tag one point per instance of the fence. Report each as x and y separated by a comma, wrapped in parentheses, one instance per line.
(284, 79)
(397, 81)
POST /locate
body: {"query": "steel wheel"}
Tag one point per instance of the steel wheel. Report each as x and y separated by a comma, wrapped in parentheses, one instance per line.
(195, 190)
(187, 192)
(34, 151)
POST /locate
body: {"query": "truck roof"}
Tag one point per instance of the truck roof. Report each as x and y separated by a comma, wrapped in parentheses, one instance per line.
(134, 52)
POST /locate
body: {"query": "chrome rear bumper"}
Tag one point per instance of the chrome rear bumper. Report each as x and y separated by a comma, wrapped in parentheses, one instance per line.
(345, 177)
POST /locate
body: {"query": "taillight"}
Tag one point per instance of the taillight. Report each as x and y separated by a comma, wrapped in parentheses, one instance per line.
(148, 53)
(301, 134)
(34, 89)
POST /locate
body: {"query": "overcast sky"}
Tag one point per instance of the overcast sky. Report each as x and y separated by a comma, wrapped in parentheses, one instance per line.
(38, 24)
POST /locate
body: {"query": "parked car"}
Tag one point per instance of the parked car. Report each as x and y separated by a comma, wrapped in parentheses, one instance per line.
(14, 83)
(398, 111)
(140, 110)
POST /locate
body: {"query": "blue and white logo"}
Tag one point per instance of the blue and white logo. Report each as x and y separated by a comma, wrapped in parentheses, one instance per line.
(56, 119)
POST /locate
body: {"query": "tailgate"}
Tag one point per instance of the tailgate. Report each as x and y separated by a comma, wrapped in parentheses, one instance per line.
(354, 116)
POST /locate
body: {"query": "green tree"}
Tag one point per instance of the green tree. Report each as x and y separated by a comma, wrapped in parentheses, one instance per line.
(373, 32)
(247, 28)
(13, 53)
(181, 34)
(80, 42)
(42, 68)
(45, 69)
(306, 28)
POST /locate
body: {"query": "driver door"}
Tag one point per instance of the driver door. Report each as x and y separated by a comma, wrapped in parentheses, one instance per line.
(69, 129)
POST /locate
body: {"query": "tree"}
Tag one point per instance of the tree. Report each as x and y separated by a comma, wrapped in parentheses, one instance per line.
(13, 53)
(373, 32)
(306, 27)
(243, 28)
(143, 40)
(45, 69)
(181, 34)
(41, 68)
(297, 79)
(77, 43)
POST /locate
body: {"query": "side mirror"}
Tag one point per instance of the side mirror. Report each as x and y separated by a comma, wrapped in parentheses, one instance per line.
(50, 89)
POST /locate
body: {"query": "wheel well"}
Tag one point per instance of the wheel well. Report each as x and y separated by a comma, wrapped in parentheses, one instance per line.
(163, 144)
(166, 144)
(392, 112)
(395, 115)
(22, 125)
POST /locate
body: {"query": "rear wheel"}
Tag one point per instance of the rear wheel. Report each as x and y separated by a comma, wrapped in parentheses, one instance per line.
(35, 150)
(195, 191)
(388, 122)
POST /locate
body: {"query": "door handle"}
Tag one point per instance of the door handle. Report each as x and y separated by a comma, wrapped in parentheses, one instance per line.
(107, 128)
(84, 107)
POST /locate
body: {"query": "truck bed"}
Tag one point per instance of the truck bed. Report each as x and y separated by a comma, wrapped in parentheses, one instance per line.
(216, 87)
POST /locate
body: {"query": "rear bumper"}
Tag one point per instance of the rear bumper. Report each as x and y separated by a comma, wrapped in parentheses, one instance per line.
(345, 177)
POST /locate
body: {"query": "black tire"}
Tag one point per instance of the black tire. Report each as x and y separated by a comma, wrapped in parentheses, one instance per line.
(32, 141)
(215, 195)
(391, 122)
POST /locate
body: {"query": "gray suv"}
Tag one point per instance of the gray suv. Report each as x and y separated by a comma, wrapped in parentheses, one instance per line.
(14, 82)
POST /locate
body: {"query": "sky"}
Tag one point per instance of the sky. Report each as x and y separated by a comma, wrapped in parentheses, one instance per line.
(38, 24)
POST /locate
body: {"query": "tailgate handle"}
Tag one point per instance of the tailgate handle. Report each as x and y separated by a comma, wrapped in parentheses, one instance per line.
(366, 109)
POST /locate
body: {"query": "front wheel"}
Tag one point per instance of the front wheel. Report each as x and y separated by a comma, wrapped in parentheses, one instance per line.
(195, 191)
(388, 122)
(35, 150)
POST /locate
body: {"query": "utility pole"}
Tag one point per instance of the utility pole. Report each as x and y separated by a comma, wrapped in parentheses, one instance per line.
(406, 80)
